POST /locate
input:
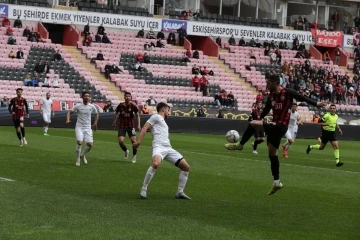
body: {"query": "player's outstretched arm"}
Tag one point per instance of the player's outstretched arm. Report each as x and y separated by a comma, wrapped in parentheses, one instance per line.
(94, 126)
(68, 116)
(302, 98)
(142, 134)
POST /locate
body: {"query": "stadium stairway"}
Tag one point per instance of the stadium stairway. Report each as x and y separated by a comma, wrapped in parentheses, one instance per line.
(84, 62)
(231, 72)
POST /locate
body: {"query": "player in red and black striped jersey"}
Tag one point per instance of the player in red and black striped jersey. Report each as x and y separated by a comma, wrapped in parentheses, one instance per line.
(279, 101)
(125, 112)
(18, 108)
(258, 134)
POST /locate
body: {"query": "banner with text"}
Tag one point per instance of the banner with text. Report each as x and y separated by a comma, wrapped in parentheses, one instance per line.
(325, 38)
(247, 32)
(55, 16)
(170, 25)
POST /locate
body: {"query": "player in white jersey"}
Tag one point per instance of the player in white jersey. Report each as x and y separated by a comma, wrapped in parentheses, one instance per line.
(83, 128)
(46, 110)
(292, 130)
(162, 150)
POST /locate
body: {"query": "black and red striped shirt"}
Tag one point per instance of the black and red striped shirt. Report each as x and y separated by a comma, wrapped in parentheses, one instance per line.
(281, 103)
(255, 114)
(126, 114)
(17, 108)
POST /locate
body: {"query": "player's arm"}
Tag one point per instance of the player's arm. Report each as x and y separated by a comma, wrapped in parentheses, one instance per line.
(339, 129)
(116, 115)
(26, 108)
(41, 107)
(142, 134)
(138, 120)
(94, 126)
(10, 107)
(322, 121)
(302, 98)
(266, 109)
(69, 113)
(299, 120)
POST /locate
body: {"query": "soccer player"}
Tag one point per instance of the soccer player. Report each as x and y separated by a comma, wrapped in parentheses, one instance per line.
(162, 150)
(125, 112)
(17, 107)
(329, 125)
(83, 129)
(292, 130)
(46, 108)
(279, 101)
(258, 134)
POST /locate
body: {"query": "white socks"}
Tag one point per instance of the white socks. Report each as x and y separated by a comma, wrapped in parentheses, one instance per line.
(78, 151)
(86, 150)
(46, 129)
(148, 176)
(183, 177)
(276, 182)
(287, 145)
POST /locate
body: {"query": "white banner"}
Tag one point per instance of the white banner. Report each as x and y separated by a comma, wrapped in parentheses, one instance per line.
(348, 41)
(247, 32)
(55, 16)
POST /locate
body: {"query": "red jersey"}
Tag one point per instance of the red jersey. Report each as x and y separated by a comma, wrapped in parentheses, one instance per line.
(255, 114)
(126, 114)
(17, 108)
(281, 103)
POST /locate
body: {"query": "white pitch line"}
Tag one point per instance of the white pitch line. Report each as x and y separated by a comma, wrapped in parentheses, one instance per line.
(6, 179)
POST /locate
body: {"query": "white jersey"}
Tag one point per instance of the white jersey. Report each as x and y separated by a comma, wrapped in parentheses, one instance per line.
(84, 115)
(160, 131)
(294, 117)
(46, 105)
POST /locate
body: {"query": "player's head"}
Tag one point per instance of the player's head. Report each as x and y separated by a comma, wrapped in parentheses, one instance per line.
(19, 92)
(332, 108)
(272, 81)
(258, 105)
(127, 97)
(294, 107)
(86, 97)
(163, 109)
(48, 95)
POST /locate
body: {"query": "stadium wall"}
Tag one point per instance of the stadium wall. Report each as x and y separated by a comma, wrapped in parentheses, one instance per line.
(179, 125)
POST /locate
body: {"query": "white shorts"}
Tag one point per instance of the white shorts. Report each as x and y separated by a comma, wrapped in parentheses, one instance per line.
(47, 117)
(84, 134)
(291, 133)
(168, 154)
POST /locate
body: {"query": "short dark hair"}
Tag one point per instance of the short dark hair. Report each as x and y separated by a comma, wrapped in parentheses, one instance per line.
(19, 89)
(160, 106)
(272, 78)
(294, 103)
(332, 105)
(127, 93)
(83, 94)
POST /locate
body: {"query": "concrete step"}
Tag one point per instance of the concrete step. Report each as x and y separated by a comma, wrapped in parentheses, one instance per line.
(81, 58)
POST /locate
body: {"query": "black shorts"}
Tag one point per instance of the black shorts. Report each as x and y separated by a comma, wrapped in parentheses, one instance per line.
(130, 131)
(328, 136)
(17, 122)
(259, 134)
(274, 132)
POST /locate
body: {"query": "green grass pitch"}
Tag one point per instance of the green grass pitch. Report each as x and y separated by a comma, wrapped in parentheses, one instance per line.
(50, 198)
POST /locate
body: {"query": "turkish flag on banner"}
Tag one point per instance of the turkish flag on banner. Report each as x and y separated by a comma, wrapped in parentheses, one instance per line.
(325, 38)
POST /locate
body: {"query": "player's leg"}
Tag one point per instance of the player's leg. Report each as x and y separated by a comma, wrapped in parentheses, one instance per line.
(22, 130)
(132, 135)
(47, 120)
(17, 129)
(245, 138)
(79, 139)
(121, 138)
(287, 144)
(324, 140)
(156, 161)
(335, 145)
(88, 137)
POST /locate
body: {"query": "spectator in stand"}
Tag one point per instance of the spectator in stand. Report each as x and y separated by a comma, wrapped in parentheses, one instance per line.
(57, 56)
(346, 20)
(159, 44)
(12, 54)
(141, 34)
(351, 97)
(185, 58)
(148, 46)
(32, 37)
(146, 58)
(258, 44)
(137, 67)
(195, 82)
(46, 67)
(252, 55)
(205, 71)
(278, 57)
(188, 53)
(232, 41)
(220, 113)
(260, 97)
(108, 107)
(86, 30)
(339, 93)
(182, 35)
(35, 81)
(281, 45)
(314, 25)
(6, 22)
(200, 112)
(151, 34)
(101, 30)
(27, 81)
(327, 58)
(224, 97)
(357, 22)
(358, 94)
(195, 70)
(300, 55)
(18, 23)
(20, 54)
(302, 47)
(139, 57)
(196, 54)
(9, 31)
(87, 40)
(5, 102)
(184, 15)
(161, 35)
(203, 85)
(218, 41)
(252, 43)
(295, 44)
(26, 32)
(46, 82)
(105, 39)
(99, 57)
(145, 109)
(196, 15)
(55, 82)
(231, 99)
(11, 40)
(242, 42)
(217, 99)
(337, 56)
(335, 20)
(39, 67)
(267, 51)
(171, 38)
(151, 101)
(300, 23)
(98, 38)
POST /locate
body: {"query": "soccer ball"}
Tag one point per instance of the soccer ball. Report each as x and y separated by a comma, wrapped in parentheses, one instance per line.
(232, 136)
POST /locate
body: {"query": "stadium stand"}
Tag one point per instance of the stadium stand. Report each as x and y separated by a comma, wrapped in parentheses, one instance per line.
(102, 7)
(34, 3)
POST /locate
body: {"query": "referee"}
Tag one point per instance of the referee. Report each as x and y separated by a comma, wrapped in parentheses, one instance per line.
(329, 124)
